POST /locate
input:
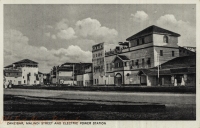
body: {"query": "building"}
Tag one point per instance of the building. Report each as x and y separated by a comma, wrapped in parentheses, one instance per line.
(24, 72)
(41, 78)
(67, 73)
(46, 78)
(98, 62)
(180, 71)
(145, 49)
(86, 77)
(187, 51)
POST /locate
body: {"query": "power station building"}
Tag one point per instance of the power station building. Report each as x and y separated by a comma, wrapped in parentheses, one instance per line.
(146, 49)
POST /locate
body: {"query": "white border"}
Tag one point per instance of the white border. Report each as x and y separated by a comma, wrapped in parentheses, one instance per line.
(116, 124)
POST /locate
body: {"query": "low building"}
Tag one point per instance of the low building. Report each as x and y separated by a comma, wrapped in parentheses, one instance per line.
(180, 71)
(24, 72)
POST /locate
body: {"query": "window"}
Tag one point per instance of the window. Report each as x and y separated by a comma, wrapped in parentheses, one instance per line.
(94, 81)
(106, 66)
(138, 41)
(149, 61)
(125, 64)
(172, 53)
(23, 77)
(143, 41)
(165, 39)
(24, 81)
(142, 62)
(97, 81)
(161, 52)
(110, 66)
(137, 63)
(133, 62)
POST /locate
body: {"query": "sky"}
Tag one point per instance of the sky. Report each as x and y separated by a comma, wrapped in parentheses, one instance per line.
(55, 34)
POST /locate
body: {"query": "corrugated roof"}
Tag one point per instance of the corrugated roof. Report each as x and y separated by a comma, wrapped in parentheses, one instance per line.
(151, 72)
(184, 61)
(153, 30)
(183, 70)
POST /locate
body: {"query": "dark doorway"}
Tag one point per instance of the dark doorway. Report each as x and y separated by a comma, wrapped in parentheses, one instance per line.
(118, 79)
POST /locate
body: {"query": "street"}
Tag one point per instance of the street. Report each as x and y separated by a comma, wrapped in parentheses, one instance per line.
(163, 98)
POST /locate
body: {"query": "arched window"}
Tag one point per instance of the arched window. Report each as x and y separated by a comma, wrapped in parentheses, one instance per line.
(165, 39)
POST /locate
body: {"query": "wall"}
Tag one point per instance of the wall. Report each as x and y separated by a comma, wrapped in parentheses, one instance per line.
(65, 73)
(134, 78)
(13, 80)
(41, 78)
(158, 41)
(27, 70)
(68, 82)
(147, 39)
(142, 54)
(106, 80)
(98, 60)
(167, 80)
(167, 54)
(152, 81)
(191, 80)
(87, 79)
(126, 77)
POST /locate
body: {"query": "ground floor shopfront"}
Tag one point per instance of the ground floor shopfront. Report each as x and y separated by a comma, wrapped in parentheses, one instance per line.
(151, 77)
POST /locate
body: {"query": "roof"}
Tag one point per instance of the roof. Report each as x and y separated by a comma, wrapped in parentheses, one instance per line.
(40, 72)
(153, 30)
(183, 70)
(123, 57)
(26, 61)
(178, 62)
(13, 71)
(65, 69)
(151, 72)
(9, 66)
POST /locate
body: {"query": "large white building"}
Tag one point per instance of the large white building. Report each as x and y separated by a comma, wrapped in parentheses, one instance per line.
(146, 49)
(24, 72)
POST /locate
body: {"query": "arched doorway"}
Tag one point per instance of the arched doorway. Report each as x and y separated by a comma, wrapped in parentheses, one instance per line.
(118, 79)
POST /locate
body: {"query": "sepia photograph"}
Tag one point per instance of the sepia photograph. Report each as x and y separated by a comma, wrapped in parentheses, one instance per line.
(99, 62)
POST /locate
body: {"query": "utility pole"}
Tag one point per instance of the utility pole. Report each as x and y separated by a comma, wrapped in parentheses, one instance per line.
(56, 75)
(73, 74)
(158, 70)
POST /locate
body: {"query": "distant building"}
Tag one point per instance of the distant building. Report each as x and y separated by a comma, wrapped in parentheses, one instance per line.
(41, 78)
(67, 73)
(86, 77)
(24, 72)
(46, 78)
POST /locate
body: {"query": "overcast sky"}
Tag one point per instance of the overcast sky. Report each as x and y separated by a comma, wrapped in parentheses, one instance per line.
(55, 34)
